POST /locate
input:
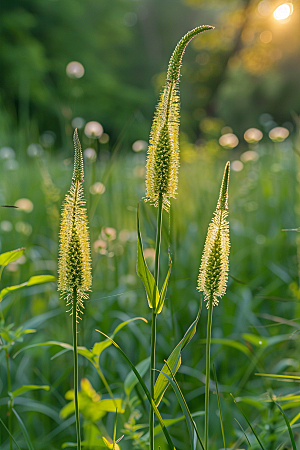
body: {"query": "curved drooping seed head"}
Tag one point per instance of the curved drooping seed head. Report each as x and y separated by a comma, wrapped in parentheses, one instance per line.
(173, 73)
(163, 152)
(74, 265)
(213, 273)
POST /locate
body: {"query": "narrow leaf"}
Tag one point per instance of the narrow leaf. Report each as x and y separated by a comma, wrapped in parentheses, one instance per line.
(157, 413)
(219, 406)
(288, 426)
(37, 279)
(188, 417)
(24, 431)
(100, 346)
(27, 388)
(83, 351)
(244, 432)
(164, 289)
(174, 361)
(274, 375)
(143, 270)
(253, 431)
(1, 421)
(13, 255)
(131, 380)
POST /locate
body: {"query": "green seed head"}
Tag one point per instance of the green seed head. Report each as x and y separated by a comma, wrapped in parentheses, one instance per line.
(213, 273)
(163, 152)
(223, 198)
(78, 174)
(74, 264)
(176, 58)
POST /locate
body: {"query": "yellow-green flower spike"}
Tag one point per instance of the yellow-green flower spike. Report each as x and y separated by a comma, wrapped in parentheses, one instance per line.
(176, 58)
(74, 265)
(213, 273)
(163, 152)
(78, 174)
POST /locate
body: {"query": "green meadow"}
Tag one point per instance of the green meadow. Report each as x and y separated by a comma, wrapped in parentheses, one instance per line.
(149, 274)
(255, 325)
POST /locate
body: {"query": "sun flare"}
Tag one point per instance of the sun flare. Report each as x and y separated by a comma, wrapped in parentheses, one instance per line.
(283, 11)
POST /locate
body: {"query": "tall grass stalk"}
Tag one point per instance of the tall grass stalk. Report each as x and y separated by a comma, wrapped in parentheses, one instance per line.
(154, 316)
(74, 320)
(213, 273)
(75, 279)
(208, 339)
(10, 399)
(162, 176)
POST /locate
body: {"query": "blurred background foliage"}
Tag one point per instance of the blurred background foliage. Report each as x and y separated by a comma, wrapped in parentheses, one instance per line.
(241, 75)
(124, 52)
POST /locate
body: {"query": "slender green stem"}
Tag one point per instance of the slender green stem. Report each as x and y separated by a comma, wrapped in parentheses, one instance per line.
(1, 312)
(10, 400)
(152, 377)
(101, 375)
(154, 315)
(208, 339)
(76, 368)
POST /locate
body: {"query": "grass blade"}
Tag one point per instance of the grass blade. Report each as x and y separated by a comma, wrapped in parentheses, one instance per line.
(144, 272)
(184, 407)
(244, 432)
(24, 431)
(253, 431)
(219, 405)
(27, 388)
(274, 375)
(131, 380)
(9, 433)
(288, 425)
(164, 429)
(174, 360)
(164, 289)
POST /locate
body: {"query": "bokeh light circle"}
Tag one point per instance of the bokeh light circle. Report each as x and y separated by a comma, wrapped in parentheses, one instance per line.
(253, 135)
(229, 140)
(75, 69)
(93, 130)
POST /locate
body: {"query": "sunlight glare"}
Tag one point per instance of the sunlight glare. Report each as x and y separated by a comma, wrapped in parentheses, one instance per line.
(283, 11)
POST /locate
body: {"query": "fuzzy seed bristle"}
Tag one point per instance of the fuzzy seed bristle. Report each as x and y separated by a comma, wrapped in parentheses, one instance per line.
(74, 265)
(78, 173)
(213, 273)
(176, 58)
(163, 151)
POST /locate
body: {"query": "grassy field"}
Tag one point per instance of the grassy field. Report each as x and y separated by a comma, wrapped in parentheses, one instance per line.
(255, 326)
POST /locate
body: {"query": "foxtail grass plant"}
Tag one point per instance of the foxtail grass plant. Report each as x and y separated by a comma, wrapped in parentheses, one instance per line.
(162, 180)
(74, 265)
(213, 273)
